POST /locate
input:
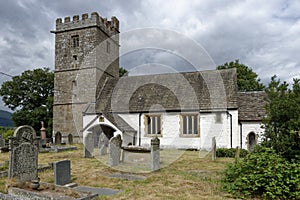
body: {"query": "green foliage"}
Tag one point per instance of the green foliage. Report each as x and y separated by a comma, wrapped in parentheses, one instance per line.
(283, 118)
(8, 133)
(230, 153)
(31, 95)
(247, 80)
(265, 174)
(122, 71)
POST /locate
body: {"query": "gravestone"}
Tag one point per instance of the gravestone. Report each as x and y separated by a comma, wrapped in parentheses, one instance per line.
(103, 144)
(88, 142)
(70, 139)
(2, 141)
(115, 144)
(24, 148)
(58, 138)
(237, 152)
(62, 172)
(214, 149)
(155, 154)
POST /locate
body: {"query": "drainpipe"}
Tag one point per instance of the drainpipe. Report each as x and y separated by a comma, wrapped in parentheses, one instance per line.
(140, 129)
(230, 115)
(241, 135)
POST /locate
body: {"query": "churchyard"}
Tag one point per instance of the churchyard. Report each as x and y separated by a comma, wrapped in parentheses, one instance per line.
(192, 175)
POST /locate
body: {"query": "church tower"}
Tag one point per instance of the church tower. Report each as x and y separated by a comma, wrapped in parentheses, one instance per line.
(86, 54)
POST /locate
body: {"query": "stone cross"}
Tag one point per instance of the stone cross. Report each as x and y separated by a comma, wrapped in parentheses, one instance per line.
(115, 144)
(214, 149)
(24, 148)
(155, 154)
(88, 142)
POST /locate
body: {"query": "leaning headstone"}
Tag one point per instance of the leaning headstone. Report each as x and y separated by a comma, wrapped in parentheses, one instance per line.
(88, 142)
(115, 144)
(214, 149)
(103, 144)
(155, 154)
(24, 148)
(58, 138)
(62, 172)
(2, 141)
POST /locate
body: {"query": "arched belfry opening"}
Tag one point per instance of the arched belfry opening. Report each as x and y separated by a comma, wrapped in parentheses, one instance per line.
(251, 141)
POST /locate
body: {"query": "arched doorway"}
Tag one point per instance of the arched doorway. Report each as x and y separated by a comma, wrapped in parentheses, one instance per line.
(70, 139)
(58, 138)
(101, 134)
(251, 140)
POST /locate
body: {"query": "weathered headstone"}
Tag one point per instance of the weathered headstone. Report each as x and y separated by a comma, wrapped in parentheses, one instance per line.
(88, 142)
(237, 152)
(58, 138)
(103, 144)
(115, 144)
(155, 154)
(2, 141)
(70, 139)
(24, 148)
(214, 149)
(62, 172)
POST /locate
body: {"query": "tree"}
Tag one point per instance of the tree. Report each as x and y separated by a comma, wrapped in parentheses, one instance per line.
(247, 80)
(30, 95)
(122, 71)
(282, 122)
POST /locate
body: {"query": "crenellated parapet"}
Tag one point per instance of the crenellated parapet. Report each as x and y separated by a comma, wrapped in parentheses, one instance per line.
(110, 27)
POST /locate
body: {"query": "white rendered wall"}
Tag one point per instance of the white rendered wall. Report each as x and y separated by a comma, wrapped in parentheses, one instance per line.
(88, 118)
(248, 127)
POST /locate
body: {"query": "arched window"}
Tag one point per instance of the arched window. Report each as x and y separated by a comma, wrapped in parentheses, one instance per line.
(251, 140)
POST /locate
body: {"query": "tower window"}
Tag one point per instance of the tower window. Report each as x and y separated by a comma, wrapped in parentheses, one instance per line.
(75, 57)
(107, 47)
(75, 41)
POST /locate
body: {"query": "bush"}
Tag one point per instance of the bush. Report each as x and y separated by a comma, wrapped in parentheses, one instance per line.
(223, 152)
(265, 174)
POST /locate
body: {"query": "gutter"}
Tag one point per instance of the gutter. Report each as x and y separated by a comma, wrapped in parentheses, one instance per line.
(140, 129)
(241, 134)
(230, 115)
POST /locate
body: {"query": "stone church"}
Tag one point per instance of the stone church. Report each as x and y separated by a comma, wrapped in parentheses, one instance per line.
(185, 110)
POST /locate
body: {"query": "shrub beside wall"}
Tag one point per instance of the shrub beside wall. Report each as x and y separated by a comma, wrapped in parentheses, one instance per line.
(230, 153)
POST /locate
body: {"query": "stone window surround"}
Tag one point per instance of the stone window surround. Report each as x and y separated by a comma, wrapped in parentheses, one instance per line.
(75, 41)
(146, 116)
(181, 125)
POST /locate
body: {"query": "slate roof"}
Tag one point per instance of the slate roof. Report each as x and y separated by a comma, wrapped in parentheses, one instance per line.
(115, 119)
(252, 105)
(205, 90)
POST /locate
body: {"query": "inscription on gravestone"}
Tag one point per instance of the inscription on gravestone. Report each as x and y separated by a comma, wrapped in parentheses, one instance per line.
(115, 144)
(62, 172)
(24, 148)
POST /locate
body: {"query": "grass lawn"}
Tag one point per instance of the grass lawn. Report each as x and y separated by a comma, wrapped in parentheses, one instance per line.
(189, 177)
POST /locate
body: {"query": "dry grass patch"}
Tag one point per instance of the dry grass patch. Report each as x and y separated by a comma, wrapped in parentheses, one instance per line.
(189, 177)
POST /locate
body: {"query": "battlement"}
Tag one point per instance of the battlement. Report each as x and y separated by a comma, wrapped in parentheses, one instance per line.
(110, 27)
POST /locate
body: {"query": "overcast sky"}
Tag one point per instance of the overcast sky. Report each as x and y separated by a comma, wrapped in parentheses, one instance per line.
(261, 34)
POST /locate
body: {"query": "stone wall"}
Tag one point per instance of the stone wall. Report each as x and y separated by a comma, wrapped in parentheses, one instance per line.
(79, 67)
